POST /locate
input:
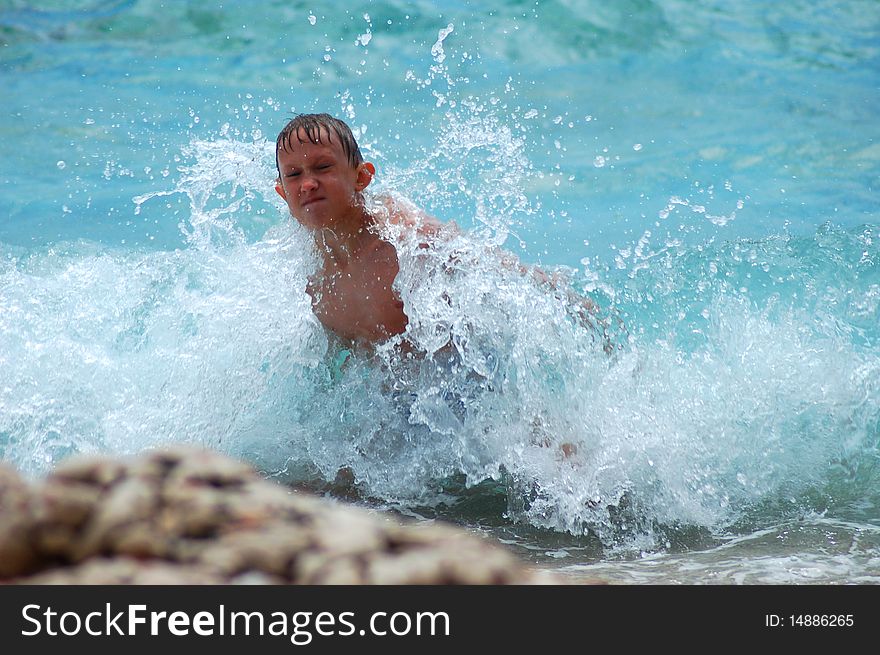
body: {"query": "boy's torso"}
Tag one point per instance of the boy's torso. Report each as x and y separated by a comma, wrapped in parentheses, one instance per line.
(355, 298)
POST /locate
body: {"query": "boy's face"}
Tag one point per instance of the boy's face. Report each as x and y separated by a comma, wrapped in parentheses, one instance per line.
(319, 185)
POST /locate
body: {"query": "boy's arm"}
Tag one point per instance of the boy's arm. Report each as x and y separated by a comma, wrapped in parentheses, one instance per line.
(407, 215)
(584, 309)
(555, 281)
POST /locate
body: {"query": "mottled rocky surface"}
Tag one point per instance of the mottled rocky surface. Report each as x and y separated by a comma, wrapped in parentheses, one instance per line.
(187, 516)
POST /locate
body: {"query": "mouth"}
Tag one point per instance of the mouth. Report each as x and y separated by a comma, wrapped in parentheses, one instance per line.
(310, 201)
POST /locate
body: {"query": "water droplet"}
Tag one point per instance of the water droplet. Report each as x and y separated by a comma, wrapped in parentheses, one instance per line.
(312, 19)
(599, 161)
(637, 147)
(61, 164)
(437, 49)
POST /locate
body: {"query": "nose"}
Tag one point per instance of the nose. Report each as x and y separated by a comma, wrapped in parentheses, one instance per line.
(309, 183)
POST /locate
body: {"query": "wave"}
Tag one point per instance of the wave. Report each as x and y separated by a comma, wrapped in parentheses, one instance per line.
(741, 385)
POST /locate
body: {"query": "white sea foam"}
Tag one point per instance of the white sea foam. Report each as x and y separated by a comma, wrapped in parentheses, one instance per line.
(707, 406)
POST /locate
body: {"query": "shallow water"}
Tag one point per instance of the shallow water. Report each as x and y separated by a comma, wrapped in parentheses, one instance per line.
(705, 174)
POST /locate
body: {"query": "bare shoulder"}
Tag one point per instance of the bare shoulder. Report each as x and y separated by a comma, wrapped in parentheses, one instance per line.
(406, 219)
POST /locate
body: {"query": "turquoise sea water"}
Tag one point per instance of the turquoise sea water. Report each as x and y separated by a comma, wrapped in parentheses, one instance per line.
(706, 173)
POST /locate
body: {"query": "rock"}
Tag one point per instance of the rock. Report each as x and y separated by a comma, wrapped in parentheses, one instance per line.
(17, 523)
(190, 516)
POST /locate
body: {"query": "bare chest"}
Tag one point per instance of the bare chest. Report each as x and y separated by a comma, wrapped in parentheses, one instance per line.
(357, 300)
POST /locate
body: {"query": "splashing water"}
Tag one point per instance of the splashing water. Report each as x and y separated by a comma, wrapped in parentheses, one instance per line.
(741, 390)
(716, 407)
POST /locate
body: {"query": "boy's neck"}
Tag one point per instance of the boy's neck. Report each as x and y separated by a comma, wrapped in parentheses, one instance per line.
(343, 241)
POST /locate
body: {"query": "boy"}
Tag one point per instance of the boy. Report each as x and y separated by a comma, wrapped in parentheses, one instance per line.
(321, 177)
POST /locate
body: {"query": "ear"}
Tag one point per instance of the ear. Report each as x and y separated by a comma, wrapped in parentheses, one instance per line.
(365, 173)
(279, 189)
